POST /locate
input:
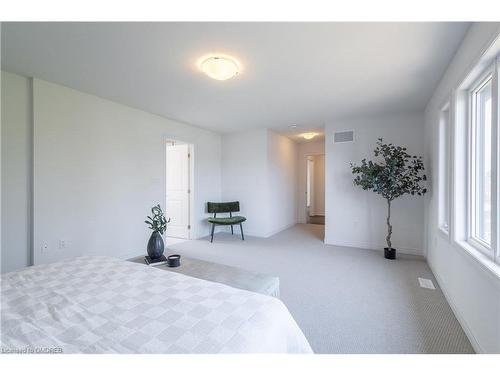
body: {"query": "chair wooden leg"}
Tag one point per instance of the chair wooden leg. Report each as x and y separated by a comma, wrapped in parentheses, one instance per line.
(242, 236)
(212, 237)
(232, 230)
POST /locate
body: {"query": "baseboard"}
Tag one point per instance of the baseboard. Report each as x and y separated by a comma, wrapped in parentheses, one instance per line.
(468, 332)
(227, 229)
(372, 246)
(270, 233)
(285, 227)
(218, 229)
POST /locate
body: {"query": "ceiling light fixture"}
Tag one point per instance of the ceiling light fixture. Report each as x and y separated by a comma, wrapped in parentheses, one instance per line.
(309, 135)
(219, 67)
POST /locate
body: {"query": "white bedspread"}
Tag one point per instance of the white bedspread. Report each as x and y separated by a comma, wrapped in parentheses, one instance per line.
(106, 305)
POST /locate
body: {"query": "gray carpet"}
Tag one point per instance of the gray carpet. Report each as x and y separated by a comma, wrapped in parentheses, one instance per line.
(345, 300)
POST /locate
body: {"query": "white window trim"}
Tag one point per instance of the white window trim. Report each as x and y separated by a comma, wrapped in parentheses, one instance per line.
(476, 86)
(460, 161)
(495, 165)
(445, 164)
(445, 232)
(482, 259)
(490, 252)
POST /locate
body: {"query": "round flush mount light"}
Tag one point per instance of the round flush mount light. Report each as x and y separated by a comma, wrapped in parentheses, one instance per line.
(219, 67)
(308, 135)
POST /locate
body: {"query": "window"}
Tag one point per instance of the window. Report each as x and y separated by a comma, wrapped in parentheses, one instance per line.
(475, 138)
(480, 159)
(444, 169)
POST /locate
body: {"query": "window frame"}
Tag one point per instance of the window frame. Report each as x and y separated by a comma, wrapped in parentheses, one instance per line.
(495, 162)
(445, 170)
(483, 79)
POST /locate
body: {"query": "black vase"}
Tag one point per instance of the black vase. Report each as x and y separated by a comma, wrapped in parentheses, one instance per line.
(155, 245)
(389, 254)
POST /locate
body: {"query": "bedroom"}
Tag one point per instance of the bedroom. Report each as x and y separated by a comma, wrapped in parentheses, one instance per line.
(91, 112)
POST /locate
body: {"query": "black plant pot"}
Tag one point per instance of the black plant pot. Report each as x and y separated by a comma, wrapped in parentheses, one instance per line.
(389, 254)
(155, 245)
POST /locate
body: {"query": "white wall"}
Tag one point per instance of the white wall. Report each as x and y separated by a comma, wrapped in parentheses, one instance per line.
(355, 217)
(244, 177)
(98, 168)
(17, 141)
(306, 148)
(472, 290)
(282, 182)
(259, 169)
(1, 169)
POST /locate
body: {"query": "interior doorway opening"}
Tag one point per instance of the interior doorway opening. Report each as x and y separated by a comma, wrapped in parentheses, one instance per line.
(179, 189)
(315, 189)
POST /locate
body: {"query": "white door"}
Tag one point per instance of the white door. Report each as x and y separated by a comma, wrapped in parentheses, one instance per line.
(178, 191)
(309, 187)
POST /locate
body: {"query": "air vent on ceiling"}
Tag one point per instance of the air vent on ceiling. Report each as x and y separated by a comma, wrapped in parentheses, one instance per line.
(343, 137)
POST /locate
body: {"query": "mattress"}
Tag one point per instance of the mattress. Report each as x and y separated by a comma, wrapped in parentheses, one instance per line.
(107, 305)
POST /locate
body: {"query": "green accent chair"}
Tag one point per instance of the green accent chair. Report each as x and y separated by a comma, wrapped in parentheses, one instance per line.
(225, 207)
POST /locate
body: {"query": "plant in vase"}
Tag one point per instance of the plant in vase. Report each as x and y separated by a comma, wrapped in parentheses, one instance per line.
(395, 174)
(158, 224)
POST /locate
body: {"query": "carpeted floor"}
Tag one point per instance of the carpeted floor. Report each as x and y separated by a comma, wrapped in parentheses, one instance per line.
(316, 219)
(345, 300)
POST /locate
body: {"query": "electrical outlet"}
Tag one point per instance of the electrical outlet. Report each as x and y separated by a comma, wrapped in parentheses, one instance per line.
(62, 244)
(45, 247)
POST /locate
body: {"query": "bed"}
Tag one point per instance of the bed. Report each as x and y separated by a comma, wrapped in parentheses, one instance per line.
(107, 305)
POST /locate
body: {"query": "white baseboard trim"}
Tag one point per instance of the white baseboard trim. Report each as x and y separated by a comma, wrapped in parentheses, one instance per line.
(254, 234)
(218, 229)
(270, 233)
(227, 229)
(372, 246)
(276, 231)
(468, 332)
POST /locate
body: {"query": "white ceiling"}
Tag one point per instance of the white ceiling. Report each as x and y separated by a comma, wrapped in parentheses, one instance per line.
(295, 132)
(293, 73)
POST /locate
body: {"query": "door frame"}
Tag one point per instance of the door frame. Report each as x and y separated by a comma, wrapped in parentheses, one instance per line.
(306, 155)
(192, 223)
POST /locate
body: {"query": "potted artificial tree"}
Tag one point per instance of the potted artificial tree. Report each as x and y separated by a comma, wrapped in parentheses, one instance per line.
(158, 224)
(394, 174)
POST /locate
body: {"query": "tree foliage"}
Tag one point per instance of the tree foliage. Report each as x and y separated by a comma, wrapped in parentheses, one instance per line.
(392, 174)
(396, 174)
(157, 223)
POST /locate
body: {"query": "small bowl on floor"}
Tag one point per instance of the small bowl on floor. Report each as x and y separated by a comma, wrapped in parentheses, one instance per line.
(174, 260)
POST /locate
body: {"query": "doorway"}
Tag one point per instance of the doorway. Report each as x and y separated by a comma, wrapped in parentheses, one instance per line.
(179, 189)
(315, 189)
